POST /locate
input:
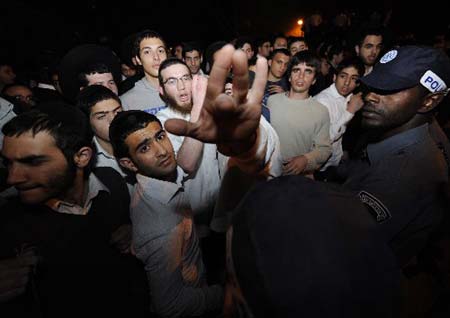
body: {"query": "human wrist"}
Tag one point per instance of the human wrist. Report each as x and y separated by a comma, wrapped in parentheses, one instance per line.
(240, 149)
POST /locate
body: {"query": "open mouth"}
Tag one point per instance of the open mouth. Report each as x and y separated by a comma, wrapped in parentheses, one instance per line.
(184, 97)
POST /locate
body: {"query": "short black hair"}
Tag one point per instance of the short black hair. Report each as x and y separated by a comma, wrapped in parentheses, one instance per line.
(351, 62)
(124, 124)
(276, 51)
(293, 39)
(93, 68)
(93, 94)
(145, 34)
(307, 57)
(65, 123)
(278, 36)
(189, 47)
(169, 62)
(369, 30)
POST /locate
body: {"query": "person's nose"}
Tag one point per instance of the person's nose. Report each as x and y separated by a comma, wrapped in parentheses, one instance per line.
(347, 81)
(160, 150)
(372, 98)
(180, 84)
(16, 174)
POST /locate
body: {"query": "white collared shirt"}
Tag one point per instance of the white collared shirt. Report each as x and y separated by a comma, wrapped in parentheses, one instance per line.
(104, 159)
(166, 242)
(94, 188)
(204, 187)
(339, 118)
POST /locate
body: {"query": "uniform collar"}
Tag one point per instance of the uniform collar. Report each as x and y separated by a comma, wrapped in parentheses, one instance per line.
(377, 151)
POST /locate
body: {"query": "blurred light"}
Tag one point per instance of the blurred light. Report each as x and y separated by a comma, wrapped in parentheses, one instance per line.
(300, 22)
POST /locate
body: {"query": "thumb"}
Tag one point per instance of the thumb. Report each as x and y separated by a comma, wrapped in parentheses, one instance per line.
(178, 127)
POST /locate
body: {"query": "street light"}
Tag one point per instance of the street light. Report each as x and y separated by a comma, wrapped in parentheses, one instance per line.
(300, 23)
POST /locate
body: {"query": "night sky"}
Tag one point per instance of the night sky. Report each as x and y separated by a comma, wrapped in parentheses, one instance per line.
(28, 27)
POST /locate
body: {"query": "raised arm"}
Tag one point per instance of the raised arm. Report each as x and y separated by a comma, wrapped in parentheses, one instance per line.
(229, 121)
(190, 152)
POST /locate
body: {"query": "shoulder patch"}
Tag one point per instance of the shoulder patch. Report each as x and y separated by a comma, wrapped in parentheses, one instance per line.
(374, 206)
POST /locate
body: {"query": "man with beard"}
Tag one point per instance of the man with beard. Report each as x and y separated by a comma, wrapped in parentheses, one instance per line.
(166, 198)
(193, 57)
(65, 241)
(369, 46)
(184, 96)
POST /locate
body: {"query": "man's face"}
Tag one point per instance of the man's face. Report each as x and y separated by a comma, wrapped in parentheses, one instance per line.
(390, 111)
(280, 43)
(37, 168)
(297, 46)
(193, 60)
(179, 52)
(324, 66)
(177, 87)
(7, 75)
(264, 49)
(302, 77)
(20, 93)
(101, 116)
(127, 71)
(152, 53)
(151, 152)
(278, 65)
(370, 49)
(247, 48)
(104, 79)
(347, 80)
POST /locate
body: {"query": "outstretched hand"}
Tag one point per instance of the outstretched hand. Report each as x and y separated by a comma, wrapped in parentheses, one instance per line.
(229, 121)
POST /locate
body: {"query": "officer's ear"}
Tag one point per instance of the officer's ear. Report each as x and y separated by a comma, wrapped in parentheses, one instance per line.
(431, 100)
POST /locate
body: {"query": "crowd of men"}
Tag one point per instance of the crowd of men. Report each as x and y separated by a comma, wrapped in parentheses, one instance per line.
(269, 178)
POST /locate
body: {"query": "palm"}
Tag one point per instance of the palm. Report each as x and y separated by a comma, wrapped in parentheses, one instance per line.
(227, 120)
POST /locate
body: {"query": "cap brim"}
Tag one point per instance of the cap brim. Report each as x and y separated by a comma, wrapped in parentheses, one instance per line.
(385, 81)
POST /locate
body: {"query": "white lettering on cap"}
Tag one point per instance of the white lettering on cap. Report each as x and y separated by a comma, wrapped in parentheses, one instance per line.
(432, 82)
(389, 56)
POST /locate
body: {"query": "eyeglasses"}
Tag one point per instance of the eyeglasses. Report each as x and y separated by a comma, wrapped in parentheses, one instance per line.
(173, 81)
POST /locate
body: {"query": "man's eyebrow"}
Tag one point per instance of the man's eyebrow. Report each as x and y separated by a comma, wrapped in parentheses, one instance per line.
(31, 158)
(149, 47)
(143, 142)
(148, 139)
(102, 112)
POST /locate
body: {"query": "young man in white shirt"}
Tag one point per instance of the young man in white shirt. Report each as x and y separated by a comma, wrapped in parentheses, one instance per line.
(342, 105)
(165, 198)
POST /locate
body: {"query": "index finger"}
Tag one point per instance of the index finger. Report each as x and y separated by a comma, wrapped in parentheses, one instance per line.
(240, 76)
(259, 84)
(219, 72)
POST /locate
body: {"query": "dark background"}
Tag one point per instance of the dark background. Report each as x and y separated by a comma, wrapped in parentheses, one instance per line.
(28, 28)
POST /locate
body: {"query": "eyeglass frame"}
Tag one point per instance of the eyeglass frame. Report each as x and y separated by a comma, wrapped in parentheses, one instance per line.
(185, 78)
